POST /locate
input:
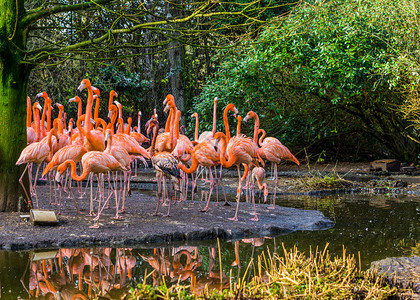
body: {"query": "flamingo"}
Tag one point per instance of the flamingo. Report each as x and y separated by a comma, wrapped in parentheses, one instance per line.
(240, 150)
(125, 140)
(123, 157)
(274, 151)
(203, 154)
(37, 153)
(95, 140)
(79, 105)
(167, 141)
(210, 134)
(140, 138)
(96, 162)
(30, 131)
(164, 163)
(73, 152)
(63, 139)
(257, 175)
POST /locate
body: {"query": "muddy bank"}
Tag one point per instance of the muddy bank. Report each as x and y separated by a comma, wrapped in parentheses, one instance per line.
(187, 224)
(140, 227)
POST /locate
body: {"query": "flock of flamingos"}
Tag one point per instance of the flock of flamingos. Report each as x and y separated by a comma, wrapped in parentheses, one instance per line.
(102, 149)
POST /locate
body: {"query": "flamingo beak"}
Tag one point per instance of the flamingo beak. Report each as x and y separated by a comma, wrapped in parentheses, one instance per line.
(117, 103)
(58, 178)
(165, 110)
(116, 95)
(96, 91)
(72, 99)
(246, 118)
(81, 87)
(39, 95)
(109, 114)
(39, 107)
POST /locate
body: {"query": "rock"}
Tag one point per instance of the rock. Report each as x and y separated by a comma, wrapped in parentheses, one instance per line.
(390, 165)
(403, 272)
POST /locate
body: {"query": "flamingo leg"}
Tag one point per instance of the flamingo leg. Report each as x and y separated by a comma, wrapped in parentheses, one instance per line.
(55, 188)
(236, 262)
(59, 204)
(124, 193)
(210, 192)
(255, 218)
(116, 199)
(23, 186)
(159, 192)
(275, 187)
(36, 178)
(91, 212)
(71, 194)
(238, 195)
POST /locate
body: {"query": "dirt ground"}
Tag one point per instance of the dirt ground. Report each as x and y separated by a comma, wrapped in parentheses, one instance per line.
(187, 223)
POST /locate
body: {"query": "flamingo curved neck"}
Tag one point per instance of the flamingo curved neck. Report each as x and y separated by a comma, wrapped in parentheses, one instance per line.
(192, 168)
(120, 125)
(36, 124)
(214, 117)
(232, 159)
(79, 126)
(79, 108)
(96, 114)
(155, 133)
(238, 128)
(28, 112)
(168, 124)
(42, 128)
(88, 112)
(256, 125)
(176, 124)
(49, 115)
(74, 175)
(129, 121)
(196, 127)
(114, 115)
(260, 141)
(225, 120)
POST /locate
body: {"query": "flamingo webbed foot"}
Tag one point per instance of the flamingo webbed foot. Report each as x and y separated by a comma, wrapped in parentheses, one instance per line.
(233, 219)
(271, 207)
(205, 209)
(255, 219)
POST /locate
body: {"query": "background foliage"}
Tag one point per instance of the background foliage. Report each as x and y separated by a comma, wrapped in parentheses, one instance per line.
(337, 78)
(331, 76)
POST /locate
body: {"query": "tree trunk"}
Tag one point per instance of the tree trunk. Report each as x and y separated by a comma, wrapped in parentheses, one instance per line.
(175, 58)
(14, 76)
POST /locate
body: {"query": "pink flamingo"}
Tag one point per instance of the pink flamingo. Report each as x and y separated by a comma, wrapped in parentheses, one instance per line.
(92, 162)
(274, 151)
(37, 153)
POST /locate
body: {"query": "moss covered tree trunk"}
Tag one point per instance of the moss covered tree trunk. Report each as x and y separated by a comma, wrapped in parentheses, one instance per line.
(14, 76)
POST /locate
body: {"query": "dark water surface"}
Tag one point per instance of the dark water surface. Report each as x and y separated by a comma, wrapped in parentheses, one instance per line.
(377, 226)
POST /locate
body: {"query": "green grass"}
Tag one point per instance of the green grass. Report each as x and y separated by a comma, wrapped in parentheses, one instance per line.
(291, 275)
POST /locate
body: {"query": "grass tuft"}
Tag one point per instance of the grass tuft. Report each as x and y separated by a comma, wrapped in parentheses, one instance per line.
(291, 275)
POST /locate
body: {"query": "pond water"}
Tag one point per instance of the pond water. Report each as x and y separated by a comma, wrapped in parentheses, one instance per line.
(376, 226)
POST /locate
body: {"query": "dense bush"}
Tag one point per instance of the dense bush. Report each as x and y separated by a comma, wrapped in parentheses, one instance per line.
(330, 76)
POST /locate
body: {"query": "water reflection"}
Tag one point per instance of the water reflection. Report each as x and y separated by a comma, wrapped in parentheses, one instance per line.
(376, 226)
